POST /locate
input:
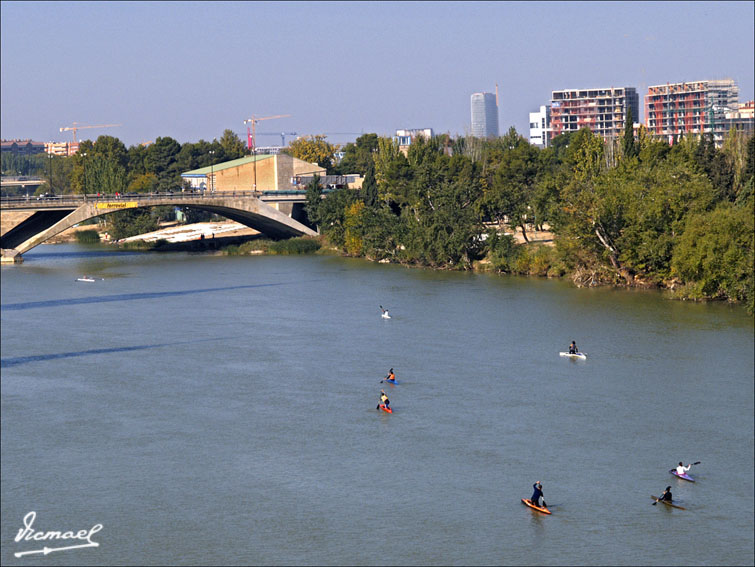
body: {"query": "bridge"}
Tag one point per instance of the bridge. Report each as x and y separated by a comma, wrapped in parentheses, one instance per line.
(28, 222)
(22, 181)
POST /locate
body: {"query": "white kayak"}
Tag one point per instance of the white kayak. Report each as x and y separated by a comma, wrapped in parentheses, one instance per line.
(579, 355)
(85, 279)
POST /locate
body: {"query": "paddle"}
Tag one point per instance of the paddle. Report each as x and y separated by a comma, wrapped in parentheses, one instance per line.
(697, 463)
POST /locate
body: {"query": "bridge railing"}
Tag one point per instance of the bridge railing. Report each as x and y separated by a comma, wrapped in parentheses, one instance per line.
(77, 199)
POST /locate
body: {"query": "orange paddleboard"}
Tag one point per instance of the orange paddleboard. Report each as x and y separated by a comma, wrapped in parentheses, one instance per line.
(386, 409)
(528, 502)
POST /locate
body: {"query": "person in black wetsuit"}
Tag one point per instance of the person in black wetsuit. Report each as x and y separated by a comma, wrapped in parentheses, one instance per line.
(666, 496)
(538, 494)
(573, 348)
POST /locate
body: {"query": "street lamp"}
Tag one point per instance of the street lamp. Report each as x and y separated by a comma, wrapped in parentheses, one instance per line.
(212, 171)
(50, 171)
(84, 163)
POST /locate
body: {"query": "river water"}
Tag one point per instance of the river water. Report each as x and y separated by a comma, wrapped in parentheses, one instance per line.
(221, 410)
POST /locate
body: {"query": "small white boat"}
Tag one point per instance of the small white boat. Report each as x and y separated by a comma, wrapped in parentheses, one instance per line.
(85, 279)
(579, 355)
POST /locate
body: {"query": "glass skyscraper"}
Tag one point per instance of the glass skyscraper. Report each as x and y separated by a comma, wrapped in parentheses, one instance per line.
(484, 115)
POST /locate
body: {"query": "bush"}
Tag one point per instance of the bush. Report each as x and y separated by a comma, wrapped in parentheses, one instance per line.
(294, 246)
(87, 237)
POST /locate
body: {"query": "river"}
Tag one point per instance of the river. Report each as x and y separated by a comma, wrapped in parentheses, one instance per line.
(221, 410)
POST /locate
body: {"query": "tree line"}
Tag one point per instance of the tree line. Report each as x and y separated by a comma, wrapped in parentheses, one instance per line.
(631, 211)
(634, 211)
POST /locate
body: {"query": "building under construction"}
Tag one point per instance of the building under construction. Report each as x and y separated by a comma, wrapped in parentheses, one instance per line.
(604, 111)
(699, 107)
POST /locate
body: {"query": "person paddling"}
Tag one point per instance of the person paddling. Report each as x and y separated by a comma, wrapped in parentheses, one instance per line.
(384, 400)
(665, 497)
(385, 313)
(573, 348)
(681, 469)
(538, 494)
(391, 376)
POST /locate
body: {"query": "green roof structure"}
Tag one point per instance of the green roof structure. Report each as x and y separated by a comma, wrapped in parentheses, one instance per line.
(225, 165)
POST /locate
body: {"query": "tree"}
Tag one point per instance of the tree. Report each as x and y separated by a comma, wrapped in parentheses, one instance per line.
(716, 253)
(233, 147)
(369, 190)
(314, 149)
(314, 200)
(628, 145)
(512, 187)
(161, 160)
(357, 156)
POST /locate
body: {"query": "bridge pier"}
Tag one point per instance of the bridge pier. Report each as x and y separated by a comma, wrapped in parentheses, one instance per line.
(11, 256)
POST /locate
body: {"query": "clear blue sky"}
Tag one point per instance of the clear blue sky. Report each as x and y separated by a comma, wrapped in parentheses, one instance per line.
(189, 70)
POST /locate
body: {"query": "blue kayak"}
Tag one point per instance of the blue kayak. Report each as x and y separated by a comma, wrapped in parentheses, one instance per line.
(389, 381)
(683, 476)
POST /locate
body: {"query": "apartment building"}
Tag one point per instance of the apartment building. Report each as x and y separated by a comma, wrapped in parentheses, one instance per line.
(540, 127)
(696, 107)
(22, 147)
(604, 111)
(63, 149)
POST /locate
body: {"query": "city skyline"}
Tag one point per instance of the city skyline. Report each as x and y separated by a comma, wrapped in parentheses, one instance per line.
(341, 67)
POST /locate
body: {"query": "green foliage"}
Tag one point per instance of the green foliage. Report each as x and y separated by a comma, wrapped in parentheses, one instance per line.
(87, 237)
(294, 246)
(627, 143)
(290, 246)
(314, 200)
(357, 156)
(716, 254)
(130, 222)
(314, 149)
(143, 183)
(15, 164)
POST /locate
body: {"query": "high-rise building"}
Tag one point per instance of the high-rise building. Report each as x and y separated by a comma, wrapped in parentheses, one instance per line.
(698, 107)
(540, 127)
(484, 115)
(604, 111)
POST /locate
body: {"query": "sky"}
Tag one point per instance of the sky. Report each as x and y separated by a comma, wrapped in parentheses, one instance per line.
(191, 70)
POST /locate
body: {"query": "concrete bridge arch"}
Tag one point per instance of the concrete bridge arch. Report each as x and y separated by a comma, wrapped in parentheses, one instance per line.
(29, 224)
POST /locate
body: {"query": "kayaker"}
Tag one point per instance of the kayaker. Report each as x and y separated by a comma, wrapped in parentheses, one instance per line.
(385, 313)
(666, 496)
(384, 399)
(391, 376)
(681, 469)
(538, 494)
(573, 348)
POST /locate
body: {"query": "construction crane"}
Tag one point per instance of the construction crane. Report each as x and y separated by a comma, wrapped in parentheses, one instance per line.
(76, 127)
(250, 134)
(281, 134)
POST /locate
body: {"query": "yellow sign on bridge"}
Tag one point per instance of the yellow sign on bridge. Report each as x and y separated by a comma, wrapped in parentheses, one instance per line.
(118, 205)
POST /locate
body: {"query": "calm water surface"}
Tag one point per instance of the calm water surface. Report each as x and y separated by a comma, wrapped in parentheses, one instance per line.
(220, 410)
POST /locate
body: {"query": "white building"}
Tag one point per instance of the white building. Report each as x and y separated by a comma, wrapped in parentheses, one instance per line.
(540, 127)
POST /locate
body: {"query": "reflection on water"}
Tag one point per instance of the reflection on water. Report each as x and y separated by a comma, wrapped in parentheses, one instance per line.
(126, 297)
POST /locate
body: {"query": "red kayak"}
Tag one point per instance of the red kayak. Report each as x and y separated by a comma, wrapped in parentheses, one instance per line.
(528, 502)
(386, 408)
